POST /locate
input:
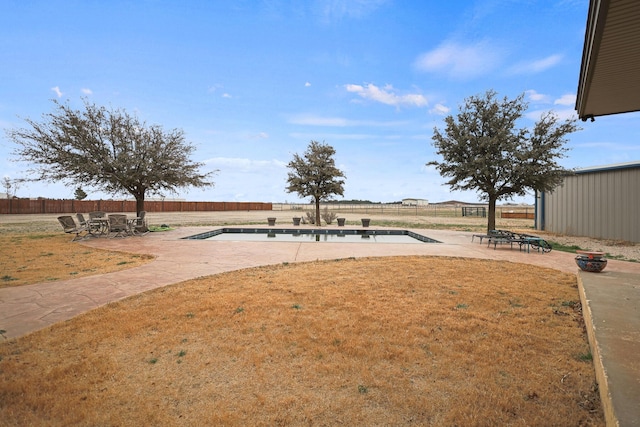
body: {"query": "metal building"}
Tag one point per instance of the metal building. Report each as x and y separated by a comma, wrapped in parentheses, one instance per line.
(601, 202)
(415, 202)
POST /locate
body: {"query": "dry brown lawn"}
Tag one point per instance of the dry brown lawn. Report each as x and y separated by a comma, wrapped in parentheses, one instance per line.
(41, 257)
(375, 341)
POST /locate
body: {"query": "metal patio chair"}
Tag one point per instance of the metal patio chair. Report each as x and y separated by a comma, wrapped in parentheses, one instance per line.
(139, 224)
(97, 214)
(118, 225)
(70, 227)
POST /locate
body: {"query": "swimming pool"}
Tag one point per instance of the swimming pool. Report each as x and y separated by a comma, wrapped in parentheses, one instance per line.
(312, 235)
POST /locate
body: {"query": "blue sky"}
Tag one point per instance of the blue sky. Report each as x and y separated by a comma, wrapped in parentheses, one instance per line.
(253, 82)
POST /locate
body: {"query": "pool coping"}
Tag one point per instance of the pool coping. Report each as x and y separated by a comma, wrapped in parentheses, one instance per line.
(317, 231)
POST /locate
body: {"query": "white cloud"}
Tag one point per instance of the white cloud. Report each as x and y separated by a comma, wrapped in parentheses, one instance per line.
(305, 119)
(307, 84)
(87, 91)
(57, 91)
(261, 135)
(566, 99)
(536, 66)
(226, 95)
(386, 95)
(461, 61)
(563, 114)
(214, 88)
(537, 97)
(440, 110)
(566, 114)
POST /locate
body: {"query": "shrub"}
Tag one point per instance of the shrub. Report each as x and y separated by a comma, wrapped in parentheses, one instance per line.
(328, 216)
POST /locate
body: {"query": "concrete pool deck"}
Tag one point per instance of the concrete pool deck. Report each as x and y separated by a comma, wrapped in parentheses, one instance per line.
(610, 299)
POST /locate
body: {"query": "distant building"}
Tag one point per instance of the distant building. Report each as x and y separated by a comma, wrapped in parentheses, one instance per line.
(600, 202)
(415, 202)
(457, 203)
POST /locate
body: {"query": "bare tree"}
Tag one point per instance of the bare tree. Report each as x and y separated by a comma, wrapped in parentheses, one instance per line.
(7, 185)
(109, 150)
(315, 175)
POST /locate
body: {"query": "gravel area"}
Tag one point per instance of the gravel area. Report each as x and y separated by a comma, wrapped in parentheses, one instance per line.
(618, 249)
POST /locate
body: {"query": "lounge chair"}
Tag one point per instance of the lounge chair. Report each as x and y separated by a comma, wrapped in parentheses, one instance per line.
(524, 241)
(69, 226)
(118, 225)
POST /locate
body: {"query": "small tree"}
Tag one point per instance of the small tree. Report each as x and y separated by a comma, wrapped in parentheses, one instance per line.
(483, 150)
(11, 186)
(80, 194)
(6, 183)
(109, 150)
(328, 215)
(315, 175)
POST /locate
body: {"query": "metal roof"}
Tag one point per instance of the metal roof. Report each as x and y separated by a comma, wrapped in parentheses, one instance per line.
(604, 168)
(610, 72)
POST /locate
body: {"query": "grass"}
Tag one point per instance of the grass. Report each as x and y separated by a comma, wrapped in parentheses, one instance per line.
(27, 259)
(564, 248)
(373, 341)
(163, 227)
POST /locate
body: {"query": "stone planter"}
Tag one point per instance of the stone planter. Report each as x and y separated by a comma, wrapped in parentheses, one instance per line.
(340, 222)
(365, 222)
(593, 262)
(296, 220)
(271, 221)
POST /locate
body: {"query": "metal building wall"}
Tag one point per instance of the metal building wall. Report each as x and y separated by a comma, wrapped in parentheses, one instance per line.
(602, 203)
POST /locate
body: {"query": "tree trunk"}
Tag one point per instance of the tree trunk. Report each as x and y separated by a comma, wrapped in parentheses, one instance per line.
(318, 212)
(491, 223)
(141, 224)
(139, 203)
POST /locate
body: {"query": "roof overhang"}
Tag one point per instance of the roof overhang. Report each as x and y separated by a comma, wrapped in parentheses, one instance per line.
(610, 72)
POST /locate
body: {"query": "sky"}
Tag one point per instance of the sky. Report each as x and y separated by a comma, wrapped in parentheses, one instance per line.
(252, 82)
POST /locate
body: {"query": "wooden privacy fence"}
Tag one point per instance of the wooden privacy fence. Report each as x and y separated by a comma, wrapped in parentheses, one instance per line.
(520, 215)
(56, 206)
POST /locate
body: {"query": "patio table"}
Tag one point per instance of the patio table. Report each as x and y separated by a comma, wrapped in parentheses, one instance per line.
(99, 226)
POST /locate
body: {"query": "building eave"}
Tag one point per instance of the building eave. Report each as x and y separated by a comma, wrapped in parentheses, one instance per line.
(609, 81)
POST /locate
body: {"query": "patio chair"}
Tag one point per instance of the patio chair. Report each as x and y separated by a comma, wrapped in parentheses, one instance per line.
(69, 226)
(139, 225)
(96, 214)
(81, 220)
(95, 228)
(118, 225)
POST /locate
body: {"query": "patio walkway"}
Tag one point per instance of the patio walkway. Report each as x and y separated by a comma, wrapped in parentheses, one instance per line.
(610, 299)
